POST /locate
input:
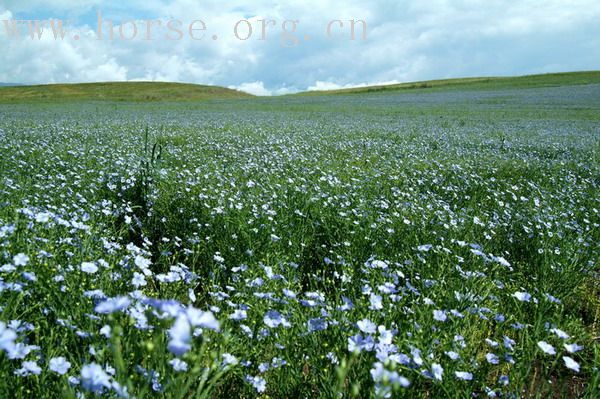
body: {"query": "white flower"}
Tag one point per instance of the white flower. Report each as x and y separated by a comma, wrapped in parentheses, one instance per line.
(198, 318)
(367, 326)
(29, 368)
(180, 336)
(112, 305)
(105, 331)
(139, 280)
(522, 296)
(259, 383)
(502, 261)
(572, 348)
(59, 365)
(317, 324)
(94, 378)
(440, 315)
(142, 262)
(546, 348)
(463, 375)
(571, 364)
(178, 365)
(492, 358)
(89, 267)
(20, 259)
(238, 314)
(274, 319)
(560, 333)
(375, 302)
(437, 371)
(379, 264)
(229, 359)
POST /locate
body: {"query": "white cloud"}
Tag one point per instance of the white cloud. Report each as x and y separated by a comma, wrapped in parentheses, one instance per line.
(320, 86)
(5, 15)
(409, 40)
(256, 88)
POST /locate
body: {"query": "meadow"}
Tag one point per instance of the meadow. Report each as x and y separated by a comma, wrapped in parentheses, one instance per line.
(433, 243)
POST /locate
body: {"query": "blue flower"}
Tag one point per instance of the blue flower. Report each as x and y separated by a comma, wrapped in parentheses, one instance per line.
(112, 305)
(381, 375)
(7, 337)
(238, 314)
(492, 358)
(259, 383)
(89, 267)
(28, 368)
(416, 356)
(139, 280)
(318, 324)
(20, 259)
(560, 333)
(229, 360)
(546, 348)
(367, 326)
(274, 319)
(571, 364)
(440, 315)
(463, 375)
(509, 343)
(375, 302)
(94, 378)
(357, 343)
(198, 318)
(178, 365)
(437, 371)
(180, 336)
(348, 305)
(572, 348)
(522, 296)
(59, 365)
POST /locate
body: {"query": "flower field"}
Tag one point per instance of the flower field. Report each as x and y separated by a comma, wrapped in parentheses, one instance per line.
(442, 243)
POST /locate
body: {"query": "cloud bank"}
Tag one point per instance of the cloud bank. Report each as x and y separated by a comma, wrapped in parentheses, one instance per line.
(406, 41)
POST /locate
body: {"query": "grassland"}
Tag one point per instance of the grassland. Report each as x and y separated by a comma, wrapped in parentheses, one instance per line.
(175, 92)
(482, 83)
(410, 243)
(117, 91)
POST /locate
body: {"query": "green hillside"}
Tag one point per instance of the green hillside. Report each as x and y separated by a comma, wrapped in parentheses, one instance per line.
(481, 83)
(162, 91)
(118, 91)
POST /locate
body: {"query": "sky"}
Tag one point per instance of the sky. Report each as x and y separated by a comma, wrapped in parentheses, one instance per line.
(406, 40)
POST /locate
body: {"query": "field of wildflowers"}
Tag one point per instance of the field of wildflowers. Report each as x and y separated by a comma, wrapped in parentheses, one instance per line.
(418, 245)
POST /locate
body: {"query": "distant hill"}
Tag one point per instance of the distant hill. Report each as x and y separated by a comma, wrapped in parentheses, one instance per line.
(118, 91)
(163, 91)
(9, 84)
(482, 83)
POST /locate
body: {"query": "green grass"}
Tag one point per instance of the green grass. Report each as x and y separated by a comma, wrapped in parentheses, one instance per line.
(179, 92)
(481, 83)
(117, 91)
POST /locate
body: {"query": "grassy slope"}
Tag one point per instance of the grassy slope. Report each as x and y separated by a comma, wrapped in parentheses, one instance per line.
(159, 91)
(118, 91)
(482, 83)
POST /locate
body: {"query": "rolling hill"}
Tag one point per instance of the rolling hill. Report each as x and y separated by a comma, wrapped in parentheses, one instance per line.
(480, 83)
(164, 91)
(117, 91)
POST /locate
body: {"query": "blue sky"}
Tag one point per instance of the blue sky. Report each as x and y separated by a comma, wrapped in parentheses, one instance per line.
(406, 41)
